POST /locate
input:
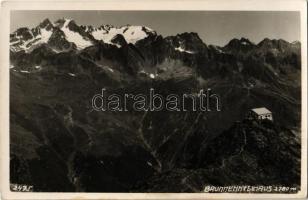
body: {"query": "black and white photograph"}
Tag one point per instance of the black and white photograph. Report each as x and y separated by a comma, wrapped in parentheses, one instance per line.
(155, 101)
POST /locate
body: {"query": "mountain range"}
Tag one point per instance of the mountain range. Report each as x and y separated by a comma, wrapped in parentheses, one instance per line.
(58, 143)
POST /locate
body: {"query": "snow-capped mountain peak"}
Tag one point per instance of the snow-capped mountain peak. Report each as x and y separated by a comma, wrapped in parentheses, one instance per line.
(73, 33)
(131, 34)
(25, 39)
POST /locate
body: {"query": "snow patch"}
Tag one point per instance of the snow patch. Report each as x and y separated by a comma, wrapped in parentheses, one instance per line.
(75, 37)
(152, 76)
(180, 49)
(24, 71)
(56, 51)
(45, 35)
(219, 50)
(15, 42)
(117, 45)
(41, 38)
(142, 72)
(132, 34)
(71, 74)
(111, 70)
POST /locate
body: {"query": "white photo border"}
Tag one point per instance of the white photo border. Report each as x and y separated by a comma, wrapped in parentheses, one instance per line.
(207, 5)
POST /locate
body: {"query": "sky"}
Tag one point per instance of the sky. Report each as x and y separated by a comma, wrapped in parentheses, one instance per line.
(213, 27)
